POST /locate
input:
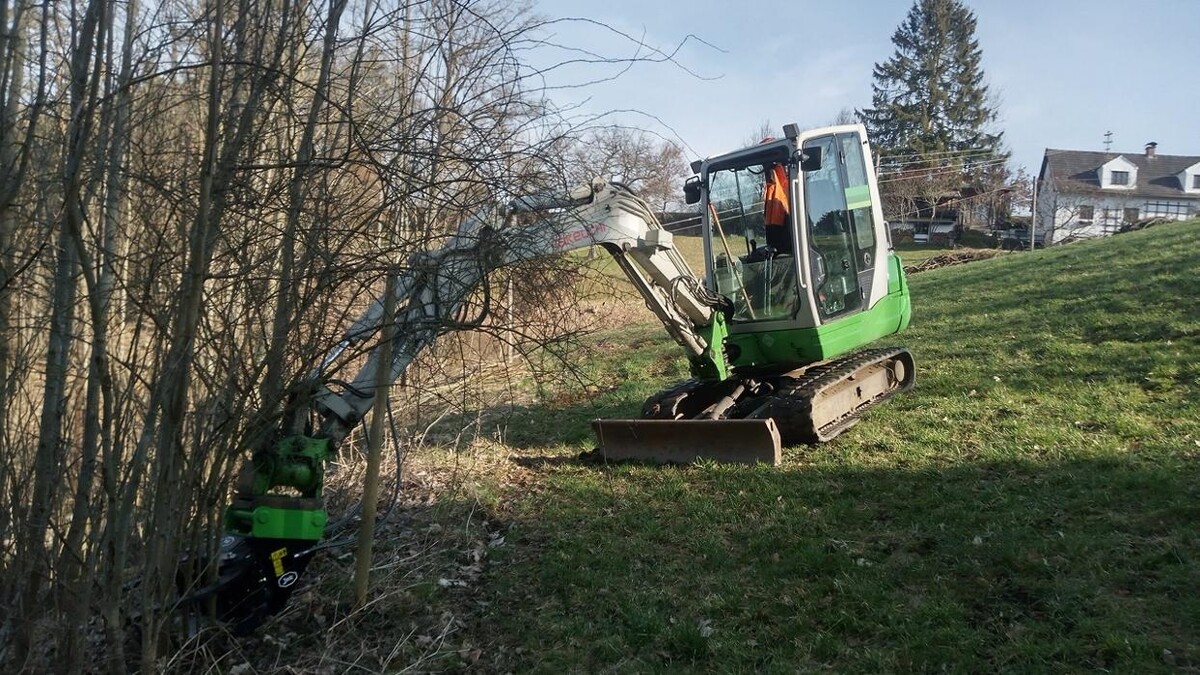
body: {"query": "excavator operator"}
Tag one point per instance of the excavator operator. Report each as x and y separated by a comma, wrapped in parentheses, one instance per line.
(770, 284)
(776, 207)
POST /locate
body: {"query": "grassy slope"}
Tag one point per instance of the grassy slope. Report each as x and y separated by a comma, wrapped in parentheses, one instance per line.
(1031, 506)
(911, 254)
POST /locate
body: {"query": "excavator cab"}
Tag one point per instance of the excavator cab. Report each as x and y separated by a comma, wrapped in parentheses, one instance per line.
(795, 241)
(754, 253)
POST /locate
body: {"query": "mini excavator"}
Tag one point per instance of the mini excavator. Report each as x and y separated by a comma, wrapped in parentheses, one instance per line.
(800, 276)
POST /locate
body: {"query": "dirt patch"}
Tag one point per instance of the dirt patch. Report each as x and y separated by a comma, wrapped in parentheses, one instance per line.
(1143, 224)
(955, 257)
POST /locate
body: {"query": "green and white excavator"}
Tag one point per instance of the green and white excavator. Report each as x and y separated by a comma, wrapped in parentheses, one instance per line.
(799, 277)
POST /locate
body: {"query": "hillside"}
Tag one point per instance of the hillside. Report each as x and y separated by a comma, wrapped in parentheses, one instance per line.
(1032, 505)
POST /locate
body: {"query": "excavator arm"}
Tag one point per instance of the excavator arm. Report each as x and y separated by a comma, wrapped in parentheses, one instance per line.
(277, 519)
(437, 285)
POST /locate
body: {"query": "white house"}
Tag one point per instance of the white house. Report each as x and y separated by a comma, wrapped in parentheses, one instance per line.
(1088, 194)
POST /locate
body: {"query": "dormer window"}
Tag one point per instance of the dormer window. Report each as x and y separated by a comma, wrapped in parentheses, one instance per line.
(1118, 173)
(1189, 179)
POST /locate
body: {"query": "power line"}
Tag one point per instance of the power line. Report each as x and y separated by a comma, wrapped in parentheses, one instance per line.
(910, 159)
(906, 214)
(684, 224)
(934, 173)
(983, 156)
(965, 162)
(937, 153)
(940, 171)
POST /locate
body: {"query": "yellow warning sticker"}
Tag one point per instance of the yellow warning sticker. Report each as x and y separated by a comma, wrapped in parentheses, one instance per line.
(277, 559)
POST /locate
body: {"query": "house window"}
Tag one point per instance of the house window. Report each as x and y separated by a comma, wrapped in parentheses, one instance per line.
(1196, 182)
(1177, 210)
(1131, 215)
(1087, 213)
(1120, 178)
(1109, 220)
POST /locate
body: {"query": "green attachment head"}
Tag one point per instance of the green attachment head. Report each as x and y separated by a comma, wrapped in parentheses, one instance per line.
(279, 518)
(295, 463)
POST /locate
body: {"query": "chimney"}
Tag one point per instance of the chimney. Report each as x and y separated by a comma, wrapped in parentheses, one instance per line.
(1150, 148)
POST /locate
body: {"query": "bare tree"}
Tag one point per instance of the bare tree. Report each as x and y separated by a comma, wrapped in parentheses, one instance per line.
(651, 166)
(764, 131)
(195, 198)
(1068, 212)
(844, 116)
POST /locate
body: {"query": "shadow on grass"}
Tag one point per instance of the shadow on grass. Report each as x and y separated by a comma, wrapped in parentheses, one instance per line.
(538, 425)
(1088, 563)
(1033, 506)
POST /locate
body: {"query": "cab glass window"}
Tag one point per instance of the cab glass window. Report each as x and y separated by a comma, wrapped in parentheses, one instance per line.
(858, 197)
(833, 257)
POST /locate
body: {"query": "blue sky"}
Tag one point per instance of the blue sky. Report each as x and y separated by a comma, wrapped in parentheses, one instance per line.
(1063, 71)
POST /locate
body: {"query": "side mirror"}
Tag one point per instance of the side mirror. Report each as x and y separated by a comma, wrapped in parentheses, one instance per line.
(810, 159)
(691, 190)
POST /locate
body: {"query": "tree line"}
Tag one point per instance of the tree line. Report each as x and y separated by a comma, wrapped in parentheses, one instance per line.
(195, 198)
(934, 121)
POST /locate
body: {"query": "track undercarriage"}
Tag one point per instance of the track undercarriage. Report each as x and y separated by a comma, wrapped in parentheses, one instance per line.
(809, 405)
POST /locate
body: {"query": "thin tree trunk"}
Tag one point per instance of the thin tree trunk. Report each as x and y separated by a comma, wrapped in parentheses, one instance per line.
(173, 385)
(112, 236)
(287, 299)
(49, 458)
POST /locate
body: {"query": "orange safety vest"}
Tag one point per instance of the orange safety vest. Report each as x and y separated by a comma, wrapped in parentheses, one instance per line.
(775, 197)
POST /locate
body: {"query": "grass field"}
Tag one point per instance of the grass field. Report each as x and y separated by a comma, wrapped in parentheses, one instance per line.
(1032, 506)
(911, 254)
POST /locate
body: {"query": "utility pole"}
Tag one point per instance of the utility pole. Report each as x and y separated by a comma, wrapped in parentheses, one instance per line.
(1033, 217)
(1108, 141)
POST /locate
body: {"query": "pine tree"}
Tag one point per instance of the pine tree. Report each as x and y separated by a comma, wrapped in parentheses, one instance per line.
(929, 99)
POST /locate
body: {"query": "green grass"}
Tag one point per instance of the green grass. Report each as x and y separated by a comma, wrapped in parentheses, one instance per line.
(1031, 506)
(691, 247)
(911, 254)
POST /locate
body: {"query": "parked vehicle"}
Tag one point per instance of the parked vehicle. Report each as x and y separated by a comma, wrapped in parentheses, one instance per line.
(1017, 238)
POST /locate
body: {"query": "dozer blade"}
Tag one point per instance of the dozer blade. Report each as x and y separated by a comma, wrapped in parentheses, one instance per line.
(685, 441)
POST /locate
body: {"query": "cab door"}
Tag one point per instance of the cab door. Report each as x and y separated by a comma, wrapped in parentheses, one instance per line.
(833, 255)
(855, 168)
(839, 215)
